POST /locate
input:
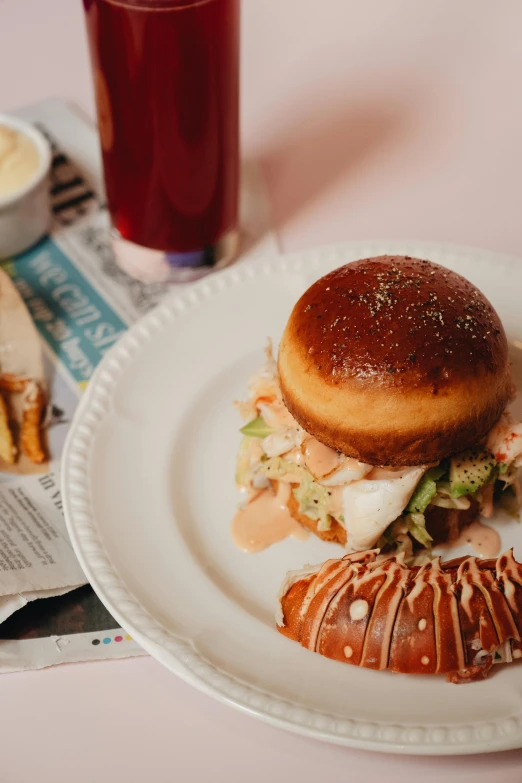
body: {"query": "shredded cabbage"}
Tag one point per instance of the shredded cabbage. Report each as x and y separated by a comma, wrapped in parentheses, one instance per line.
(313, 502)
(416, 524)
(313, 498)
(444, 499)
(281, 469)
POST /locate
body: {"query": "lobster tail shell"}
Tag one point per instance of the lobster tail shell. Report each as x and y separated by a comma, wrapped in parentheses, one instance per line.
(443, 618)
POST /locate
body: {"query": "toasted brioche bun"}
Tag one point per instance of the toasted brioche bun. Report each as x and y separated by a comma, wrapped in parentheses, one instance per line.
(395, 361)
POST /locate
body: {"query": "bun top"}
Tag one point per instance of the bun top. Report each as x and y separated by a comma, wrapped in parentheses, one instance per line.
(395, 361)
(396, 320)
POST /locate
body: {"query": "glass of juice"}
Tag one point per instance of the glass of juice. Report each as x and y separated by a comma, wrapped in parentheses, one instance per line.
(166, 76)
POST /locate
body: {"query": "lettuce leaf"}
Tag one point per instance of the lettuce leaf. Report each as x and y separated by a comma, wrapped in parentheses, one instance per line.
(425, 490)
(416, 524)
(257, 428)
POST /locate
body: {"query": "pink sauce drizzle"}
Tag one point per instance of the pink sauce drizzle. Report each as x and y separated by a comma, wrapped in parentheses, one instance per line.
(320, 459)
(265, 521)
(484, 540)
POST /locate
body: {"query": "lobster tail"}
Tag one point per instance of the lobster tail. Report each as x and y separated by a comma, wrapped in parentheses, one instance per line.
(454, 618)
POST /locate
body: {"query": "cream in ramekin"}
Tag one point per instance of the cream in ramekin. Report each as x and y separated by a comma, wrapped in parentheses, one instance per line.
(25, 162)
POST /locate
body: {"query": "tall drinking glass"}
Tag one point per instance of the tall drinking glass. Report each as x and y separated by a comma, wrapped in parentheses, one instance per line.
(166, 75)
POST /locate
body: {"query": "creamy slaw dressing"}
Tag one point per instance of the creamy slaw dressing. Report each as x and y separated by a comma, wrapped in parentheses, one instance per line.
(483, 539)
(320, 459)
(265, 521)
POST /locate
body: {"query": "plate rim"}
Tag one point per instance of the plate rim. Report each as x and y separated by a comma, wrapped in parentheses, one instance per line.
(178, 654)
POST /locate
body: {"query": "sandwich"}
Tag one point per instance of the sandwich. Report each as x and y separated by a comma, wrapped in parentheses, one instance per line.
(387, 411)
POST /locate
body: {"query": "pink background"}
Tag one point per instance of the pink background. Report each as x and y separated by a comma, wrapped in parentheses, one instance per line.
(375, 119)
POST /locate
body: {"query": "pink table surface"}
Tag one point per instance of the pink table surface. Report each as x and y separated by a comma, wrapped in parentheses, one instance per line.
(394, 119)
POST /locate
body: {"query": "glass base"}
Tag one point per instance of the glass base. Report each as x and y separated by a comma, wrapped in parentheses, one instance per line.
(161, 266)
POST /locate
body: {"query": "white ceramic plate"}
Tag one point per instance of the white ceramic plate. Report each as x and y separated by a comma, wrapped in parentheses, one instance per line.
(148, 482)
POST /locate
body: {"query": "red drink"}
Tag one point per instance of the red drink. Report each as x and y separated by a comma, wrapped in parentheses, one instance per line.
(166, 78)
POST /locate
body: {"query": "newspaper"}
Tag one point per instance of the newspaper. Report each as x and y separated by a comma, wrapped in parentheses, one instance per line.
(79, 303)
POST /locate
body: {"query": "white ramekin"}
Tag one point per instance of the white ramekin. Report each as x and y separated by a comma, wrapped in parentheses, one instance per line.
(25, 215)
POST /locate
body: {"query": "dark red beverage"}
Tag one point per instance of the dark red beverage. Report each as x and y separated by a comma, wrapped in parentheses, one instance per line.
(166, 78)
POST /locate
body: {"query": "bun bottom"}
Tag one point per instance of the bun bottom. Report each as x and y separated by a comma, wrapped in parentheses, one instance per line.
(336, 533)
(446, 524)
(443, 524)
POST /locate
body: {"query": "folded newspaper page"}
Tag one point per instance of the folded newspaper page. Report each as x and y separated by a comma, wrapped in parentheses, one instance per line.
(63, 304)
